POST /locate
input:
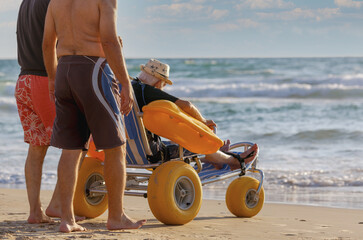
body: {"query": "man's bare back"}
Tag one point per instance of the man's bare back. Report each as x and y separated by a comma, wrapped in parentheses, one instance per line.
(85, 27)
(77, 25)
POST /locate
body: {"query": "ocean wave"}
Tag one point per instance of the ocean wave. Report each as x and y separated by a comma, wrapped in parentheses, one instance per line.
(349, 178)
(309, 136)
(267, 90)
(204, 62)
(326, 134)
(8, 104)
(264, 72)
(7, 88)
(265, 83)
(15, 178)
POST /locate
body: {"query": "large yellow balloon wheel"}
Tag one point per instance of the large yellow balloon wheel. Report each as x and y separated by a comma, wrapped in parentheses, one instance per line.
(85, 203)
(241, 197)
(174, 193)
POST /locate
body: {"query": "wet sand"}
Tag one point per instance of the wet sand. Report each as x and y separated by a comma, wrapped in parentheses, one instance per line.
(214, 221)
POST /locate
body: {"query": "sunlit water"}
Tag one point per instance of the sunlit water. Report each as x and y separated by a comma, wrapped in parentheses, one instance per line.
(306, 114)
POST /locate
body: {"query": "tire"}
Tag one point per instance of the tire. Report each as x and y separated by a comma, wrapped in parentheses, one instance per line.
(90, 175)
(240, 197)
(174, 193)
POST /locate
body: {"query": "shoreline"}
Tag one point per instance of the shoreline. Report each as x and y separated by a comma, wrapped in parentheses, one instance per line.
(214, 221)
(208, 197)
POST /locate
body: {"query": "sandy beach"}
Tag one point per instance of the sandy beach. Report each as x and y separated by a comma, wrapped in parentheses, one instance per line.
(214, 221)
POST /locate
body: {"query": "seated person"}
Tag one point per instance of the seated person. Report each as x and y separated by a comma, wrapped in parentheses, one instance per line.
(148, 87)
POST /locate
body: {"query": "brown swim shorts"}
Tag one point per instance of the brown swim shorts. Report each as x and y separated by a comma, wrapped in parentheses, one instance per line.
(87, 101)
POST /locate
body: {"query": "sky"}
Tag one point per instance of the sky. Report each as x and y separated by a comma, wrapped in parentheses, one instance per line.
(228, 28)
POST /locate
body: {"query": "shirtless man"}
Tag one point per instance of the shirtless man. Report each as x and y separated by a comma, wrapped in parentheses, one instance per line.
(87, 99)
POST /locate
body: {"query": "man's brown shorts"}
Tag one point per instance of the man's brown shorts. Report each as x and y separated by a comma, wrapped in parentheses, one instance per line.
(87, 101)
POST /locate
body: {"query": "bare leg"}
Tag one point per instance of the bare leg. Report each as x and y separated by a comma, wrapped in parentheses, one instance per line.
(33, 178)
(67, 177)
(54, 207)
(115, 177)
(219, 158)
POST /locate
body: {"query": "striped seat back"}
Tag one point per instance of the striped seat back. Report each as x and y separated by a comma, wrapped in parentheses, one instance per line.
(137, 145)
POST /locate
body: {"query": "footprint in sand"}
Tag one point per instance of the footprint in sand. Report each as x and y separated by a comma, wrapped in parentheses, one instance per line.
(86, 236)
(16, 213)
(290, 234)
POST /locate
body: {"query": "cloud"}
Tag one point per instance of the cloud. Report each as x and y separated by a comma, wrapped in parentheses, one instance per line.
(8, 24)
(348, 3)
(176, 9)
(264, 4)
(6, 5)
(238, 24)
(217, 13)
(191, 9)
(298, 13)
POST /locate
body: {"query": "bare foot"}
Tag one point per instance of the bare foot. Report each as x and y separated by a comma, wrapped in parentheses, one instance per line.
(125, 223)
(39, 218)
(68, 227)
(226, 146)
(54, 211)
(249, 155)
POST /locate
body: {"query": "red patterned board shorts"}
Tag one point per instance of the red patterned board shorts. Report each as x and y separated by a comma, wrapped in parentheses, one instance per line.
(36, 110)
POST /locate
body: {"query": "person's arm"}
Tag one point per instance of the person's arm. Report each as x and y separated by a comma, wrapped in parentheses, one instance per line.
(112, 49)
(193, 111)
(49, 51)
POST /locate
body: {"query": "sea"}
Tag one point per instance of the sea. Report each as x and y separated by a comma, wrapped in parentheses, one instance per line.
(306, 115)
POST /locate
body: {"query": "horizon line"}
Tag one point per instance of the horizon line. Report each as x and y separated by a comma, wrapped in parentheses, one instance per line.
(226, 57)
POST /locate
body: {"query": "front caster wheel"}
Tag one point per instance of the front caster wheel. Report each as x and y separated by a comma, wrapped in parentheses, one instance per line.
(241, 197)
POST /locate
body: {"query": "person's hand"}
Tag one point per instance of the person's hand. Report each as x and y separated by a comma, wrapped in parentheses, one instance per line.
(127, 100)
(51, 89)
(210, 123)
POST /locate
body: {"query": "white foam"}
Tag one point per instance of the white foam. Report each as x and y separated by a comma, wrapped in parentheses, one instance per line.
(263, 89)
(7, 103)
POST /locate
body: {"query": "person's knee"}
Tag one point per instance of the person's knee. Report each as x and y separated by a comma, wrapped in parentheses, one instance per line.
(37, 152)
(71, 155)
(115, 154)
(112, 150)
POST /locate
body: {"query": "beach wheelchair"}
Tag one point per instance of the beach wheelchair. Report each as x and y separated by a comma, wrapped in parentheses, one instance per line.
(173, 188)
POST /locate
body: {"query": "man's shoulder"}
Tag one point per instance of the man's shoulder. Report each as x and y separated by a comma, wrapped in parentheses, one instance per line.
(34, 4)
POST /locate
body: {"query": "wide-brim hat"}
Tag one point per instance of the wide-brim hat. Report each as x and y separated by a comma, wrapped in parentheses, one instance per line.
(157, 69)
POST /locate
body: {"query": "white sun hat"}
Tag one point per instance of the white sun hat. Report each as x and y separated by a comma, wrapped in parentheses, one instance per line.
(157, 69)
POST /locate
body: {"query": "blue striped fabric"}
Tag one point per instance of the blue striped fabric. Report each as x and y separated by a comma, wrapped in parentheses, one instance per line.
(135, 152)
(107, 78)
(209, 171)
(107, 99)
